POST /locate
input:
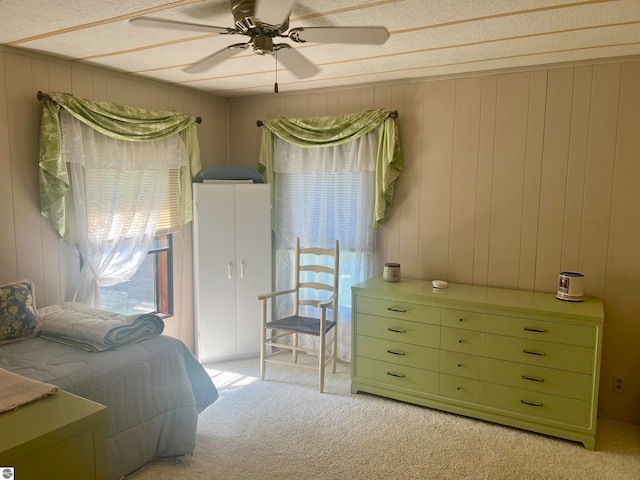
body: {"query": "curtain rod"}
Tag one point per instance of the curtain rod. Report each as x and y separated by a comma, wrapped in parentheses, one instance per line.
(393, 114)
(43, 97)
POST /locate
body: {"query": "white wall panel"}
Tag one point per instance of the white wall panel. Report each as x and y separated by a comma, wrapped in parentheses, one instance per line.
(601, 160)
(554, 177)
(408, 187)
(576, 169)
(532, 179)
(484, 191)
(23, 112)
(8, 260)
(508, 179)
(623, 257)
(435, 195)
(464, 178)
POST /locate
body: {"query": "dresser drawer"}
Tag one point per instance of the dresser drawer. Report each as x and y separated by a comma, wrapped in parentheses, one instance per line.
(461, 319)
(460, 387)
(398, 309)
(397, 376)
(536, 404)
(534, 352)
(539, 379)
(397, 352)
(460, 364)
(405, 331)
(463, 341)
(579, 335)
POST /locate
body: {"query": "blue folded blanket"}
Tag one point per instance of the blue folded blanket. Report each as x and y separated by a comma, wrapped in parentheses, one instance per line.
(96, 330)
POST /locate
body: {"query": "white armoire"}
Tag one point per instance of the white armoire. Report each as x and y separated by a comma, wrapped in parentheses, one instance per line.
(232, 265)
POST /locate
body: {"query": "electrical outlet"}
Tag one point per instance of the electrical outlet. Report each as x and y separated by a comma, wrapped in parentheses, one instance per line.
(619, 384)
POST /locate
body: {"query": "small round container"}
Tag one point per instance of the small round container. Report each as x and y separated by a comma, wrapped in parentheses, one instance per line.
(391, 272)
(570, 286)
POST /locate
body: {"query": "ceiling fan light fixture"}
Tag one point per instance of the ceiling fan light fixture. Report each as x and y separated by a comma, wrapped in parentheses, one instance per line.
(263, 44)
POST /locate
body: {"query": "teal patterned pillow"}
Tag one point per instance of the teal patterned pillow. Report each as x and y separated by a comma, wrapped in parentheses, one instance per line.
(18, 316)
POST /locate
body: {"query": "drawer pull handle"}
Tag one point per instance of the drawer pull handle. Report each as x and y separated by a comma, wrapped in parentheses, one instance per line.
(537, 330)
(460, 320)
(460, 341)
(394, 352)
(524, 402)
(459, 365)
(397, 375)
(458, 388)
(396, 330)
(533, 379)
(540, 354)
(397, 309)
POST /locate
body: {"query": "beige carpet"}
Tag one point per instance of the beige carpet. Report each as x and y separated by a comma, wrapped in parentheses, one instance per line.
(283, 428)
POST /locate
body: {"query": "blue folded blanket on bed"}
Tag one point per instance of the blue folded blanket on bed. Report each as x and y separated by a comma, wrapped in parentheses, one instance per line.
(96, 330)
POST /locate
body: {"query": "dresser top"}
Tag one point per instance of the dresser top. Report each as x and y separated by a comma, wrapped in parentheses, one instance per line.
(456, 295)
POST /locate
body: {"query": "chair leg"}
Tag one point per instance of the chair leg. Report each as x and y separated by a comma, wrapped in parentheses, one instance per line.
(295, 344)
(334, 349)
(321, 359)
(263, 338)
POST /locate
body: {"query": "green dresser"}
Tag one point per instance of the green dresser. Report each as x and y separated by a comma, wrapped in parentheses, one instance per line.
(523, 359)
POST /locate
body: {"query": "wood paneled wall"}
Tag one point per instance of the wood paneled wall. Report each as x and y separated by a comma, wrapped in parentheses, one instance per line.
(28, 246)
(508, 180)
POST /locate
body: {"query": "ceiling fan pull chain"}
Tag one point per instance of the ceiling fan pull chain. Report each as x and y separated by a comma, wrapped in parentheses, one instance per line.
(275, 85)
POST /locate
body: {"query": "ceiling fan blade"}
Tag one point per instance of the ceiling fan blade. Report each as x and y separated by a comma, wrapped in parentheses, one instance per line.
(295, 62)
(273, 12)
(362, 35)
(192, 27)
(214, 59)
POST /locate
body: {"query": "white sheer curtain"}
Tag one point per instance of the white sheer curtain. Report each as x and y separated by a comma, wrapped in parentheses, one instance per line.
(324, 194)
(118, 189)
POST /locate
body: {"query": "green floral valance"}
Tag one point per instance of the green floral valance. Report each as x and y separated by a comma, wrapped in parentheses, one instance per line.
(335, 130)
(113, 120)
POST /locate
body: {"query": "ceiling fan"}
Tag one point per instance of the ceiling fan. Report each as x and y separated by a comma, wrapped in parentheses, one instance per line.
(263, 21)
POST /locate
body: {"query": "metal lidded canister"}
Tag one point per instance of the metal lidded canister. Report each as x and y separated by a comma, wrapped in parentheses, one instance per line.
(391, 272)
(570, 286)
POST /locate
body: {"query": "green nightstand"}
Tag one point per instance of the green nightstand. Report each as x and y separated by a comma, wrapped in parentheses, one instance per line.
(60, 437)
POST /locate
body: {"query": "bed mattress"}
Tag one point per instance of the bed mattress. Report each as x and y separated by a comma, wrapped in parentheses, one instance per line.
(154, 391)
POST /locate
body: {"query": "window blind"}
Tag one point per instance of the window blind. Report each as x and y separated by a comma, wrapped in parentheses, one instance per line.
(169, 221)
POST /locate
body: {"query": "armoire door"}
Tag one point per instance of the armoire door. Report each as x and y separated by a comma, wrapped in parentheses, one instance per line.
(214, 271)
(253, 260)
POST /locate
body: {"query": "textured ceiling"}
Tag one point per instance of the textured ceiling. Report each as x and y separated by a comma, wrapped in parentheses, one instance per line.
(428, 38)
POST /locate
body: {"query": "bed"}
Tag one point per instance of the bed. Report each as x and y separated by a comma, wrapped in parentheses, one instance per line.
(153, 388)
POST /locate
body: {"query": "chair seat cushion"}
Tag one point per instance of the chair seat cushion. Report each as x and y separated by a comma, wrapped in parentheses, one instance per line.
(296, 323)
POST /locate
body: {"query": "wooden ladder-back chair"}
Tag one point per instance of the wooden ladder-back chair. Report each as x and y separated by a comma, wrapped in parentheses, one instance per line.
(274, 332)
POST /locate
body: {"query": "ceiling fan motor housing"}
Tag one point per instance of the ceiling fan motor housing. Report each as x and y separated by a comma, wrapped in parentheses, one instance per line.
(244, 12)
(243, 15)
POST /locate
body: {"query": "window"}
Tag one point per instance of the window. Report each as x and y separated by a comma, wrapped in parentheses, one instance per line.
(126, 200)
(324, 194)
(321, 208)
(150, 290)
